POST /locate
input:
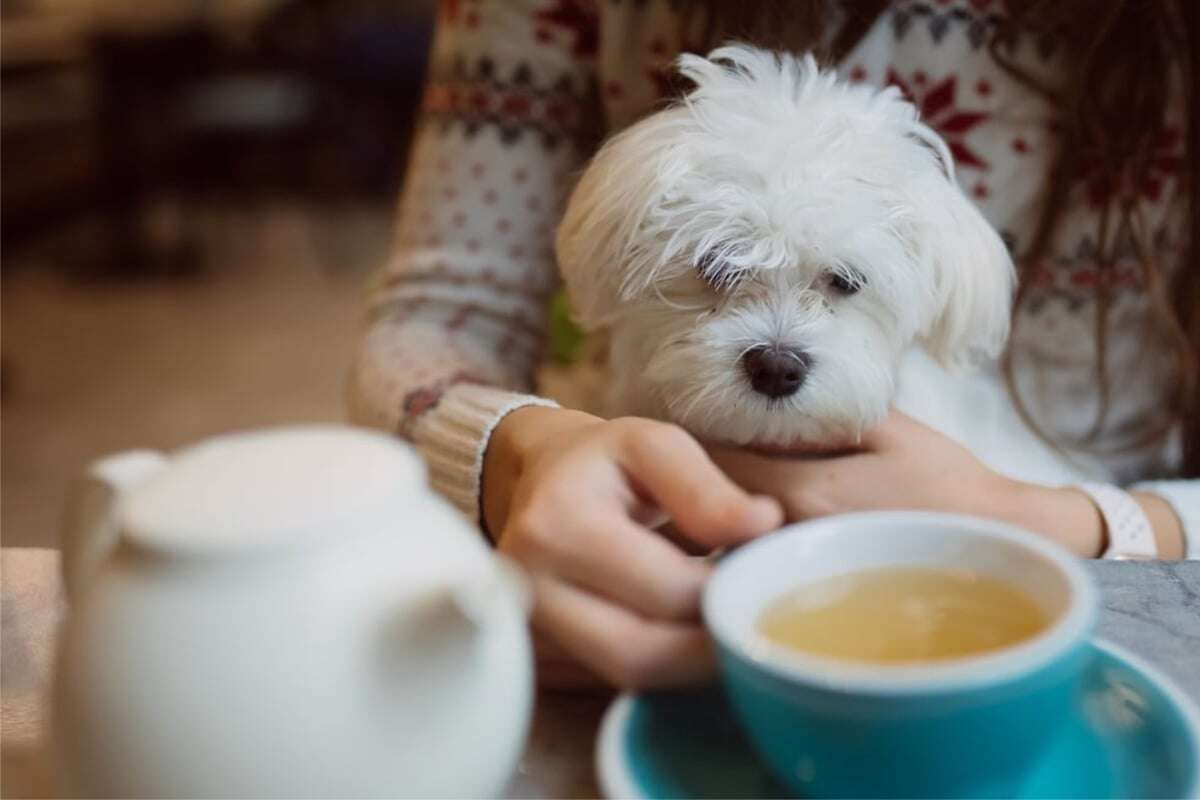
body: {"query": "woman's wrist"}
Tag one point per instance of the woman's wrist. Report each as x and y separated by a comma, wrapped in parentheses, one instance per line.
(1064, 514)
(508, 449)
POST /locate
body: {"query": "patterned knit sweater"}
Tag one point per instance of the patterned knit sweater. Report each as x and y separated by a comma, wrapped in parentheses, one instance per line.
(520, 92)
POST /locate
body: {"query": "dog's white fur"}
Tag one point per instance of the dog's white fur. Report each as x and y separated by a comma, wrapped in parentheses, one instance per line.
(716, 225)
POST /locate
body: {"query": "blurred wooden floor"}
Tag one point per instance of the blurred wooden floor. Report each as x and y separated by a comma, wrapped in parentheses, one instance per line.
(262, 336)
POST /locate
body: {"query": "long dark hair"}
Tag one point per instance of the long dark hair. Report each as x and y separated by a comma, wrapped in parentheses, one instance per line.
(1124, 58)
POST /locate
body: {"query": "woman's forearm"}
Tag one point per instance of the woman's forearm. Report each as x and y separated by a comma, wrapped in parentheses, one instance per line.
(1066, 515)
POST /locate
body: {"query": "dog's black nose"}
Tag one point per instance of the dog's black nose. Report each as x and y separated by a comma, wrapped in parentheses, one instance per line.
(776, 371)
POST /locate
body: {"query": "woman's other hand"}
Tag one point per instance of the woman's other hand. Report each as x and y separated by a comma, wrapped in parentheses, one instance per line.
(904, 464)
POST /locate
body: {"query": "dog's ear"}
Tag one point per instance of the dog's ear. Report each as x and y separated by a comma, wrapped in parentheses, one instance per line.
(601, 243)
(972, 271)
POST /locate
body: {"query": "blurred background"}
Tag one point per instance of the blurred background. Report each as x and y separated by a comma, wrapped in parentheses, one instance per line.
(193, 194)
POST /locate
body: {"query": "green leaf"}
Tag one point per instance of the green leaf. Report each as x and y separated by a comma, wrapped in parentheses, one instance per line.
(566, 338)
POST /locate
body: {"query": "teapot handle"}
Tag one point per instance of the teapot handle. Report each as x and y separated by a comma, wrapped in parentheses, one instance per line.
(464, 606)
(476, 599)
(90, 529)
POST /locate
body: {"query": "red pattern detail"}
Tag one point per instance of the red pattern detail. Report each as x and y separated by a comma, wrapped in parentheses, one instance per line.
(419, 401)
(1048, 275)
(858, 73)
(516, 106)
(1102, 181)
(984, 88)
(506, 343)
(613, 89)
(961, 122)
(938, 110)
(557, 111)
(530, 287)
(1166, 160)
(1020, 145)
(981, 191)
(480, 102)
(939, 98)
(577, 18)
(459, 318)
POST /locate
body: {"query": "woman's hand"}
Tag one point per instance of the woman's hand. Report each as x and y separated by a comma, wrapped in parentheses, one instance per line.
(904, 464)
(574, 499)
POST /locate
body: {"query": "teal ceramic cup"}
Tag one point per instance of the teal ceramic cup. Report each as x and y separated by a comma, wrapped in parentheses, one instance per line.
(968, 727)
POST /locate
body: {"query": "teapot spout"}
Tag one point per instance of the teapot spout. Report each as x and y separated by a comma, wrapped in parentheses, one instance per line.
(90, 529)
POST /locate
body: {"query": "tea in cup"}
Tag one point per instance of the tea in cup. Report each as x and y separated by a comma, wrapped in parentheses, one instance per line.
(903, 615)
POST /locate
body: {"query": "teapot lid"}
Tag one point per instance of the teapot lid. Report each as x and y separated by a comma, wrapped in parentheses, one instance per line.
(247, 490)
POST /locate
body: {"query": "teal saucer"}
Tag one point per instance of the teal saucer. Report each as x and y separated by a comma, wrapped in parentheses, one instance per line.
(1133, 735)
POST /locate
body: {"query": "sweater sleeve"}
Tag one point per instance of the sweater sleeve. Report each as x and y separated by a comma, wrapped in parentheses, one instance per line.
(1184, 497)
(457, 316)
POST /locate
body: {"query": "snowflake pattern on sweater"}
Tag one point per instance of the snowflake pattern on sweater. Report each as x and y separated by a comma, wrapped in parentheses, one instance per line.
(521, 91)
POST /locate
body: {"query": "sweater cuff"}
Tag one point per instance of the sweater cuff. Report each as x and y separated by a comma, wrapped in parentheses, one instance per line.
(1184, 498)
(453, 437)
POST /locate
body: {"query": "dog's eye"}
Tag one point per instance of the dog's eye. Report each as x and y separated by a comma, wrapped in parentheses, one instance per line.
(846, 283)
(714, 270)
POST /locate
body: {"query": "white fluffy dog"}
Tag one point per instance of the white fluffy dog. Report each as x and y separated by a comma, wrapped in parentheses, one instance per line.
(764, 252)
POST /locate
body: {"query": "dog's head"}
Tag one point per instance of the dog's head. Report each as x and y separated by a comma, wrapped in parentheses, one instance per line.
(768, 247)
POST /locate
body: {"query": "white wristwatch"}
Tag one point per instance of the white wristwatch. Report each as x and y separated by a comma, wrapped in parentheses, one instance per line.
(1130, 534)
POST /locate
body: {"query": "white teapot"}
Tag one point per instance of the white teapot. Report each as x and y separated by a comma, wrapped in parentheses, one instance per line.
(285, 613)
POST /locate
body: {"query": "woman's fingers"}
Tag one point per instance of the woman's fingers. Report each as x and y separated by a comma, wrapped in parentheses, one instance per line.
(633, 566)
(621, 646)
(672, 467)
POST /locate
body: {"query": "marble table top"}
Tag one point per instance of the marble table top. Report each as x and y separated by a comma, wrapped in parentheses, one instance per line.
(1153, 608)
